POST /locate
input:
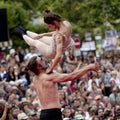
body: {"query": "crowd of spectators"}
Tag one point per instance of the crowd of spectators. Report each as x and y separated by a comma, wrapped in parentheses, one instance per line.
(94, 96)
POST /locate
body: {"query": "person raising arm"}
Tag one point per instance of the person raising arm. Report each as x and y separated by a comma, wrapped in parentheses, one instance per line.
(47, 89)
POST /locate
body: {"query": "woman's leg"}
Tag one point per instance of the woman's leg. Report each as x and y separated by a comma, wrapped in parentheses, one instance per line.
(31, 34)
(43, 48)
(44, 39)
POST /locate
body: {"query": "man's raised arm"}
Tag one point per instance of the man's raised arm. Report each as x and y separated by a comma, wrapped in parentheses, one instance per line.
(75, 74)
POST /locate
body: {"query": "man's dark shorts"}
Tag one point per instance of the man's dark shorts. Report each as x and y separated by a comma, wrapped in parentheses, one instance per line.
(51, 114)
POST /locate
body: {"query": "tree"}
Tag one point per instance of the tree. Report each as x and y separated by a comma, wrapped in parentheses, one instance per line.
(84, 15)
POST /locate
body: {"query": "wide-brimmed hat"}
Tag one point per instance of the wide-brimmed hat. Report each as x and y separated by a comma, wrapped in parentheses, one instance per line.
(22, 116)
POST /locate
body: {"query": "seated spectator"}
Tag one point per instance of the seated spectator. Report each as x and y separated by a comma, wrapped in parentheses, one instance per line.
(114, 97)
(24, 75)
(30, 91)
(106, 101)
(96, 117)
(115, 78)
(100, 113)
(4, 112)
(10, 75)
(2, 72)
(2, 95)
(99, 103)
(15, 111)
(12, 58)
(67, 113)
(117, 69)
(30, 54)
(71, 58)
(108, 114)
(20, 53)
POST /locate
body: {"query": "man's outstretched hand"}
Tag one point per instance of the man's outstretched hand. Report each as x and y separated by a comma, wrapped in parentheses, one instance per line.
(94, 67)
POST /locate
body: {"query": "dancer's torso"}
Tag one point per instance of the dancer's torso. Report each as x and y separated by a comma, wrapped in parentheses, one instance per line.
(67, 43)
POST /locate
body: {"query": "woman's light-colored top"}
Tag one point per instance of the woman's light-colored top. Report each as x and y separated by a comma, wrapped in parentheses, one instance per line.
(68, 43)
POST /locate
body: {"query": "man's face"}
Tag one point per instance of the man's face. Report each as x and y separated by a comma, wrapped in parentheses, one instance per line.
(41, 62)
(39, 59)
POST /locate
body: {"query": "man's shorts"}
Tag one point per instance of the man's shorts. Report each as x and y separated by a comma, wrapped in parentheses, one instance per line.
(51, 114)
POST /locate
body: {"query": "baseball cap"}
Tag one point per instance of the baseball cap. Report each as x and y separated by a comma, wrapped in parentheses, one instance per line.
(22, 116)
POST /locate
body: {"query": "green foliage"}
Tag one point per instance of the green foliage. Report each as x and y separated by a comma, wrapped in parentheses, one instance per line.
(84, 15)
(15, 12)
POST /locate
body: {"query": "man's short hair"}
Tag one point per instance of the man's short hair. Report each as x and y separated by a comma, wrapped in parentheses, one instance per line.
(32, 65)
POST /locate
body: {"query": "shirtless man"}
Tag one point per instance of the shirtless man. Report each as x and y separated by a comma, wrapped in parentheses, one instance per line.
(51, 44)
(46, 86)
